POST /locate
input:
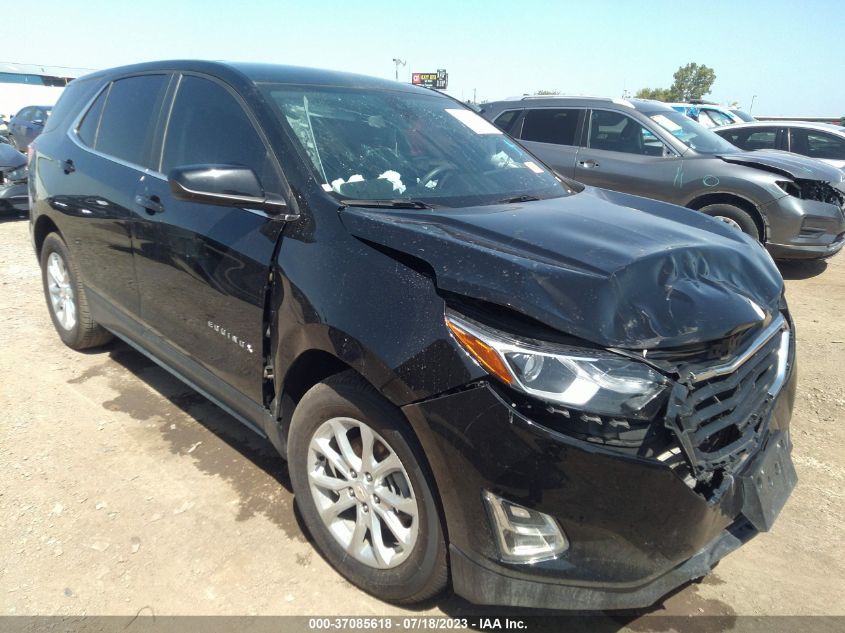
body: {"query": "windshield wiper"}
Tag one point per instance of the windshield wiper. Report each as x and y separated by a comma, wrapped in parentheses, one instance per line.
(389, 204)
(523, 198)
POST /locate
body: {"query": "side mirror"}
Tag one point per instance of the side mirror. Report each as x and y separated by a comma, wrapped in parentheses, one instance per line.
(224, 185)
(38, 122)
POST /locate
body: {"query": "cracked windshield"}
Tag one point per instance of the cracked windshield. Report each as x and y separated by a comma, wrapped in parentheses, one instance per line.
(408, 146)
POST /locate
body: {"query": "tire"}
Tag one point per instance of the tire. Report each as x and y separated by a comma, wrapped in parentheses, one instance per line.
(414, 573)
(72, 318)
(735, 217)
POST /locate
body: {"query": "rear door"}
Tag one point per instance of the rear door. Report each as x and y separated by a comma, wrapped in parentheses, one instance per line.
(100, 172)
(623, 155)
(203, 269)
(552, 134)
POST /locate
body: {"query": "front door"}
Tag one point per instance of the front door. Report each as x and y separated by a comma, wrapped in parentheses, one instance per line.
(203, 269)
(623, 155)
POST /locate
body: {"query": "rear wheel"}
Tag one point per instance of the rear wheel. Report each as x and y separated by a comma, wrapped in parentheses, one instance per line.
(735, 217)
(362, 491)
(66, 299)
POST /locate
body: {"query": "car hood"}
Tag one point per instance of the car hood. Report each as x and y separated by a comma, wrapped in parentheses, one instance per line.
(10, 158)
(610, 268)
(787, 164)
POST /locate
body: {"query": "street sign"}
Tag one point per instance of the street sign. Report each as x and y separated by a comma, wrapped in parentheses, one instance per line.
(438, 80)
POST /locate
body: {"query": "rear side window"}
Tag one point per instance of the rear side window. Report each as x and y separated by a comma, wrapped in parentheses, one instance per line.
(130, 114)
(209, 126)
(550, 125)
(87, 130)
(506, 120)
(74, 97)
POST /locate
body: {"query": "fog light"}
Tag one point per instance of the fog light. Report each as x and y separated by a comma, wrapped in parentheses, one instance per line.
(524, 535)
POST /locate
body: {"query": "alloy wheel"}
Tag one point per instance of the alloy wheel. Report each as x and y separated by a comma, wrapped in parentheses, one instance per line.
(363, 493)
(62, 298)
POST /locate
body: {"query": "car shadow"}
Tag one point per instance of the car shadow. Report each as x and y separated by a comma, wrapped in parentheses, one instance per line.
(801, 269)
(267, 490)
(13, 216)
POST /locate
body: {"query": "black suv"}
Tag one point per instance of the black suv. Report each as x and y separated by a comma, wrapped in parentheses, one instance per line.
(555, 396)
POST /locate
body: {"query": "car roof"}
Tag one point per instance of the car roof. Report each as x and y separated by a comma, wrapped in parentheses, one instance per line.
(544, 101)
(264, 73)
(813, 125)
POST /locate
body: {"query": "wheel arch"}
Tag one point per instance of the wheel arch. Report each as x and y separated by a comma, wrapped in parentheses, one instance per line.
(44, 225)
(699, 202)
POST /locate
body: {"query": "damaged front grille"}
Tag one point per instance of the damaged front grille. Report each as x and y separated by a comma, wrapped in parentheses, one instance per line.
(719, 413)
(813, 190)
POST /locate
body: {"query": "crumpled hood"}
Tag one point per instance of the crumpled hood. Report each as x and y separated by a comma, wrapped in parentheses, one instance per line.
(611, 268)
(10, 158)
(787, 164)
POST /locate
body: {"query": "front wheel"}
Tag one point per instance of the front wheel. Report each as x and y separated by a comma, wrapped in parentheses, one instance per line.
(734, 217)
(362, 491)
(66, 299)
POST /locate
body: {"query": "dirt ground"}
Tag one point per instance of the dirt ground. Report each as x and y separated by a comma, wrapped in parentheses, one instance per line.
(122, 490)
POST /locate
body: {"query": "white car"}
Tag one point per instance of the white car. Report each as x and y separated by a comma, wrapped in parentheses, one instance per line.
(822, 141)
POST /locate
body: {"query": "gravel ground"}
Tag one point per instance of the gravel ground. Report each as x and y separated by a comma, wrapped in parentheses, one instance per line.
(122, 490)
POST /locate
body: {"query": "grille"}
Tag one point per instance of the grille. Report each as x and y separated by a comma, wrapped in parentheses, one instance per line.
(720, 414)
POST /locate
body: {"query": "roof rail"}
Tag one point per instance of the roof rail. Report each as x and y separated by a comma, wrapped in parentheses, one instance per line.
(617, 100)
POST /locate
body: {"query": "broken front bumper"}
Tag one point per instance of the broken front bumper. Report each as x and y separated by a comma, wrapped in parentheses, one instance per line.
(804, 229)
(636, 530)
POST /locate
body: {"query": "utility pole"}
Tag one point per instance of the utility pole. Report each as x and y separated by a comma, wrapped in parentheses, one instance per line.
(398, 62)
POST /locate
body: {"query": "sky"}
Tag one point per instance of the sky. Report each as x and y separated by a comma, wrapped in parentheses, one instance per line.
(787, 57)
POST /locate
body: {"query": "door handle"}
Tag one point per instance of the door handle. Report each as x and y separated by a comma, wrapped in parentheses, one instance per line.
(152, 204)
(68, 167)
(589, 163)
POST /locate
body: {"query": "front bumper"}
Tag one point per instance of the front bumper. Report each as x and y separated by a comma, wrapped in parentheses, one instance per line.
(636, 530)
(804, 229)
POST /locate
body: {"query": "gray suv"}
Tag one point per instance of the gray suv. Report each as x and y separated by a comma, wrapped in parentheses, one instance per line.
(794, 205)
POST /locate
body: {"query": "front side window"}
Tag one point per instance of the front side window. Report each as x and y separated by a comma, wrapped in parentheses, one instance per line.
(617, 132)
(692, 134)
(367, 144)
(209, 126)
(130, 112)
(551, 125)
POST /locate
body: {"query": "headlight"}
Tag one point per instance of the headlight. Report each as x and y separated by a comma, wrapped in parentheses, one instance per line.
(595, 381)
(14, 175)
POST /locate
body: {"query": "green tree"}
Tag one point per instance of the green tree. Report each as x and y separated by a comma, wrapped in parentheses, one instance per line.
(692, 81)
(658, 94)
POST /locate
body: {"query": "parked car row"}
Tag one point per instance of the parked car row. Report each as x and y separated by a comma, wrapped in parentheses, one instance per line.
(794, 205)
(479, 371)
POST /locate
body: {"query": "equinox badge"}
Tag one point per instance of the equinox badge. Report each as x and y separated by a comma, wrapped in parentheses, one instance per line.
(224, 332)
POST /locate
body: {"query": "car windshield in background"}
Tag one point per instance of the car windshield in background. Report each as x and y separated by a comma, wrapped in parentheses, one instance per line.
(692, 134)
(395, 145)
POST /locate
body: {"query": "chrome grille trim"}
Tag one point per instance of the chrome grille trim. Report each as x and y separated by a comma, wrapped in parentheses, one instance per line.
(778, 324)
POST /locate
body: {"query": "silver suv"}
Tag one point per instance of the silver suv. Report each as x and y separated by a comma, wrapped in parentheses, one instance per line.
(792, 204)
